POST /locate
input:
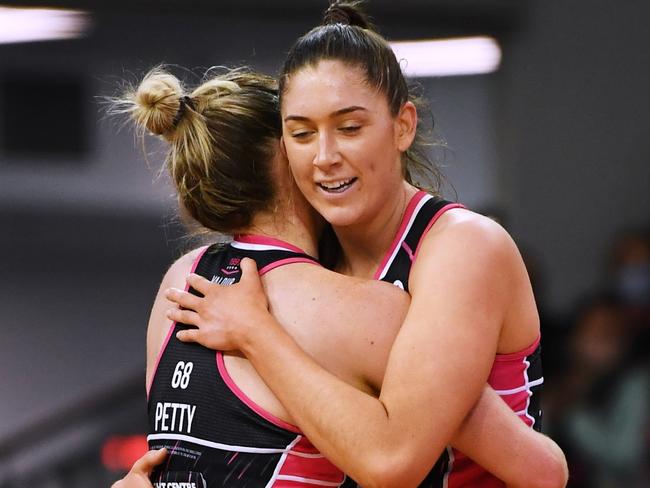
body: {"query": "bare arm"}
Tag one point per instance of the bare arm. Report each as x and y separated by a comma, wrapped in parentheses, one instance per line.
(426, 394)
(159, 324)
(493, 437)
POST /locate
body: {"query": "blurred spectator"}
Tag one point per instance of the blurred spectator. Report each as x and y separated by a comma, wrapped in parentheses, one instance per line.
(629, 276)
(598, 409)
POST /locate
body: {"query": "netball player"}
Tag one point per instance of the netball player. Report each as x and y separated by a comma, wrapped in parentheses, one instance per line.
(217, 419)
(348, 130)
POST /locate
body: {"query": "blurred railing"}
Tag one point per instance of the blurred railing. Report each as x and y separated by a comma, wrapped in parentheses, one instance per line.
(64, 449)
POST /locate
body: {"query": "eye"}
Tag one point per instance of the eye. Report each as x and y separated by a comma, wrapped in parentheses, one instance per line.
(301, 134)
(350, 129)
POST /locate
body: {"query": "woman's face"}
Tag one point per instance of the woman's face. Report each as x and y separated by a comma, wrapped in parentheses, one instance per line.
(343, 144)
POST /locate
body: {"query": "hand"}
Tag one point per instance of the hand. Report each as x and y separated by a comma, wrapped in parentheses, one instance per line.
(138, 477)
(225, 314)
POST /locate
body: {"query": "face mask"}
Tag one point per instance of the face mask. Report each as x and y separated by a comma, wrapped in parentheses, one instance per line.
(633, 284)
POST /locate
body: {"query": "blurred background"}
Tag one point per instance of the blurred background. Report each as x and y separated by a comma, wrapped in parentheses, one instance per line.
(553, 140)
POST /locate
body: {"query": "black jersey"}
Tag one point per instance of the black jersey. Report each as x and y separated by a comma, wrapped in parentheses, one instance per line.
(516, 377)
(215, 434)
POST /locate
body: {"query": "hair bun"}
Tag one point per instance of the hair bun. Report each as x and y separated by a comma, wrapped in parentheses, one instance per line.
(346, 13)
(159, 102)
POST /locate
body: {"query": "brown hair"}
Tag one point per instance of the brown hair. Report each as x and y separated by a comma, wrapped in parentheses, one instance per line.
(223, 136)
(348, 36)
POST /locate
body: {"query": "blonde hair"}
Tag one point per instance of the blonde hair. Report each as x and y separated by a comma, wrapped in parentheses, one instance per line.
(222, 138)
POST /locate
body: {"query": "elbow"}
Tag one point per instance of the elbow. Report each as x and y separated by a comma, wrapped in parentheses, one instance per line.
(554, 472)
(388, 471)
(560, 472)
(548, 470)
(551, 479)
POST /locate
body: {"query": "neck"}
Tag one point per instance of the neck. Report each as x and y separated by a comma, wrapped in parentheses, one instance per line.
(291, 219)
(287, 225)
(364, 245)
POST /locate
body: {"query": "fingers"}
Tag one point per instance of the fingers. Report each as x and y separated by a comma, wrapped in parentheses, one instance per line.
(248, 266)
(249, 274)
(150, 460)
(189, 317)
(190, 335)
(182, 298)
(199, 283)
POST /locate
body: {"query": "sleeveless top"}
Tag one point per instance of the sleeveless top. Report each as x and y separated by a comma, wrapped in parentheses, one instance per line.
(215, 435)
(516, 377)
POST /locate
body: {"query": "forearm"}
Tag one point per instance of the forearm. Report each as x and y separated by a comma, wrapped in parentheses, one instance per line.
(494, 437)
(349, 427)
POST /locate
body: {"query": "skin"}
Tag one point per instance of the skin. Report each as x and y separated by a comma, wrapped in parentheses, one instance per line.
(323, 294)
(482, 305)
(138, 476)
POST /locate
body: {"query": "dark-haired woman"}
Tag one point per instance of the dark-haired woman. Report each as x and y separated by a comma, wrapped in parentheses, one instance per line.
(218, 421)
(472, 317)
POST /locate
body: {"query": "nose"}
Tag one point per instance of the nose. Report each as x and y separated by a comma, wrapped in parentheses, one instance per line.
(328, 152)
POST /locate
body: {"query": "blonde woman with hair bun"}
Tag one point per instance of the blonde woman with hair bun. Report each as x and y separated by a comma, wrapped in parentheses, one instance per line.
(218, 421)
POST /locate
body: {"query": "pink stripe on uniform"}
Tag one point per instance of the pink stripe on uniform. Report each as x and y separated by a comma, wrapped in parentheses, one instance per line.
(221, 365)
(282, 262)
(400, 232)
(171, 327)
(315, 468)
(509, 376)
(433, 220)
(520, 354)
(408, 250)
(267, 241)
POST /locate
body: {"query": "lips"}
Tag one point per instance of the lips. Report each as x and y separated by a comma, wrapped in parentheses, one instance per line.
(338, 186)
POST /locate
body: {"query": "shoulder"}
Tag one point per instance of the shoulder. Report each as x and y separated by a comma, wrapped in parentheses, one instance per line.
(370, 300)
(159, 324)
(382, 294)
(338, 291)
(178, 271)
(375, 308)
(468, 235)
(328, 312)
(464, 248)
(464, 226)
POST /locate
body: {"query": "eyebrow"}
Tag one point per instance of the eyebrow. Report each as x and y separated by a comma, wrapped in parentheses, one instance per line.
(337, 113)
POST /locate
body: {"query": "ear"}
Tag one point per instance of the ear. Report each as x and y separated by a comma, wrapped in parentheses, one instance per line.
(406, 124)
(283, 148)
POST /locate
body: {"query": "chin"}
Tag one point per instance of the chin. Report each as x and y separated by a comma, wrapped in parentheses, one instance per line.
(340, 217)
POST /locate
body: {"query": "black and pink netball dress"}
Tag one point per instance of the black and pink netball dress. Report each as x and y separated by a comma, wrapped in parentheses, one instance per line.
(516, 377)
(215, 435)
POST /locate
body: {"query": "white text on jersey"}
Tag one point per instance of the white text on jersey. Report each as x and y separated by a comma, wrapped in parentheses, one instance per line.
(174, 417)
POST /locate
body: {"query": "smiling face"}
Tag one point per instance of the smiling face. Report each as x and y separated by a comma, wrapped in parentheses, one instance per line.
(343, 144)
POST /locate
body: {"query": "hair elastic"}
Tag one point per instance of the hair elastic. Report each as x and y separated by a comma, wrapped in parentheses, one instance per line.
(184, 102)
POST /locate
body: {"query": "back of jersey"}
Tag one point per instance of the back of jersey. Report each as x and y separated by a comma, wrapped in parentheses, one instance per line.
(215, 434)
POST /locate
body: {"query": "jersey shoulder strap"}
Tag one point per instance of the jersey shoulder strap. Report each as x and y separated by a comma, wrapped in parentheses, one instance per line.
(220, 262)
(421, 214)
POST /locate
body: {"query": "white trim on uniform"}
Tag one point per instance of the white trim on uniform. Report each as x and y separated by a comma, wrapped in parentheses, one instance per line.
(450, 467)
(530, 393)
(218, 445)
(258, 247)
(278, 467)
(526, 386)
(310, 481)
(398, 246)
